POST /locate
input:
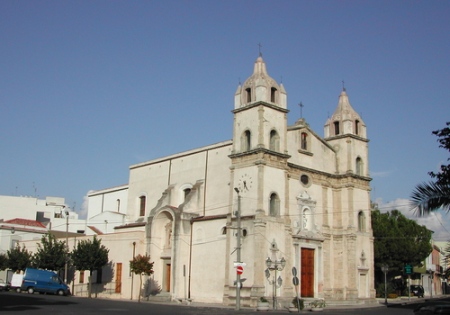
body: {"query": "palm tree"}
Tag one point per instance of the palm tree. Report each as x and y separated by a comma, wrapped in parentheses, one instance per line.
(429, 197)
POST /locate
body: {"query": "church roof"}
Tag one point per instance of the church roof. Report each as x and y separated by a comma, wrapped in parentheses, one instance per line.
(344, 110)
(260, 77)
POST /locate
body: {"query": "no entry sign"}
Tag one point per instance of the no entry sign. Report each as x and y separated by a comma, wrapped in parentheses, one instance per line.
(239, 270)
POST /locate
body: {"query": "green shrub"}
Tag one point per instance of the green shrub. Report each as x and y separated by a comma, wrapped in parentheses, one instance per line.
(300, 301)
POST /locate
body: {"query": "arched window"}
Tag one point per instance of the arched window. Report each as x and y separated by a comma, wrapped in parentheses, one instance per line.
(273, 95)
(336, 128)
(142, 206)
(361, 222)
(246, 143)
(118, 205)
(304, 141)
(249, 94)
(274, 205)
(186, 191)
(274, 144)
(356, 127)
(359, 166)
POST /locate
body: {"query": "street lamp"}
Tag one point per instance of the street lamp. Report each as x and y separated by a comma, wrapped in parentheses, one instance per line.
(276, 265)
(385, 269)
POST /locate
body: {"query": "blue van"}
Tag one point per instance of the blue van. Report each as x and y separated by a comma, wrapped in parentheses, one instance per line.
(43, 281)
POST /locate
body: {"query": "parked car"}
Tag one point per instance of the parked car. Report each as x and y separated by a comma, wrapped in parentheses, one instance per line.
(4, 285)
(429, 309)
(417, 290)
(43, 281)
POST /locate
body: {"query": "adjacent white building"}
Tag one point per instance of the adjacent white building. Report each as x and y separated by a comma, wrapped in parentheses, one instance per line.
(25, 218)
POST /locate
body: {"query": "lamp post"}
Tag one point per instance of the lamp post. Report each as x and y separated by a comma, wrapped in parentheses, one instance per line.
(276, 265)
(385, 269)
(67, 245)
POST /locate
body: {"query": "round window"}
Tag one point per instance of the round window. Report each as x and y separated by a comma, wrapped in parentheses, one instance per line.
(304, 179)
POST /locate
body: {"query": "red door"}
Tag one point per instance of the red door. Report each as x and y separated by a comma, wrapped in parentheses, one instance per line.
(307, 272)
(118, 278)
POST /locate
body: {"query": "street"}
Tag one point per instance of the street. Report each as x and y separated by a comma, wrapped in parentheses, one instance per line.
(35, 304)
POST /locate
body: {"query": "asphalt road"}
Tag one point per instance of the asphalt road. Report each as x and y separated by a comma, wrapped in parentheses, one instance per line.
(36, 304)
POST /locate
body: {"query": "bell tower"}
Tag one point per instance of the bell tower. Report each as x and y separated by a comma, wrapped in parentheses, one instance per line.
(346, 132)
(260, 109)
(259, 154)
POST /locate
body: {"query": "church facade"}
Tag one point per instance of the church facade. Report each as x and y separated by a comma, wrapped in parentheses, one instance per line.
(294, 197)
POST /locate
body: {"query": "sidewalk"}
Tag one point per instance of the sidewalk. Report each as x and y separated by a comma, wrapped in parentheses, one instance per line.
(378, 302)
(411, 300)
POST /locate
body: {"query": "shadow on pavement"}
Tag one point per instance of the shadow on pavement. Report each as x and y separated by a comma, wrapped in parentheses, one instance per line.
(415, 304)
(11, 301)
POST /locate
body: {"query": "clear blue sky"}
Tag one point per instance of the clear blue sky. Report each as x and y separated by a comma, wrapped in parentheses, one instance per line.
(89, 88)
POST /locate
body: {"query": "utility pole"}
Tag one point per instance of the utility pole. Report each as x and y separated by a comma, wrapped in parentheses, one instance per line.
(238, 251)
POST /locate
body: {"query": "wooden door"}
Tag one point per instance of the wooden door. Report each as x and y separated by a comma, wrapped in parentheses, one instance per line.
(307, 272)
(118, 278)
(167, 282)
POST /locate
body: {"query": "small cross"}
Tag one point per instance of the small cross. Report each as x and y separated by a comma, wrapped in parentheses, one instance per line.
(260, 53)
(301, 109)
(343, 85)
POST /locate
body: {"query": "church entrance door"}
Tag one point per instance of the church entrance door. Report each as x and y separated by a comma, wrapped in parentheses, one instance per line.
(167, 278)
(307, 272)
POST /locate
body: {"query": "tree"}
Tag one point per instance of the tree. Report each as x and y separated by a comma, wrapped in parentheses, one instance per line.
(428, 197)
(19, 258)
(431, 196)
(3, 261)
(398, 241)
(443, 177)
(51, 254)
(141, 265)
(89, 255)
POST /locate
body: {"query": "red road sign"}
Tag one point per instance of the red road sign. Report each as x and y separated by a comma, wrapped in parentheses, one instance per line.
(239, 270)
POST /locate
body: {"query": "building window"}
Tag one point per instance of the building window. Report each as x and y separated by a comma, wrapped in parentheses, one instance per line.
(274, 205)
(224, 230)
(273, 93)
(249, 94)
(118, 205)
(356, 127)
(304, 141)
(359, 166)
(14, 244)
(187, 191)
(336, 128)
(274, 144)
(246, 141)
(304, 179)
(142, 206)
(81, 276)
(361, 222)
